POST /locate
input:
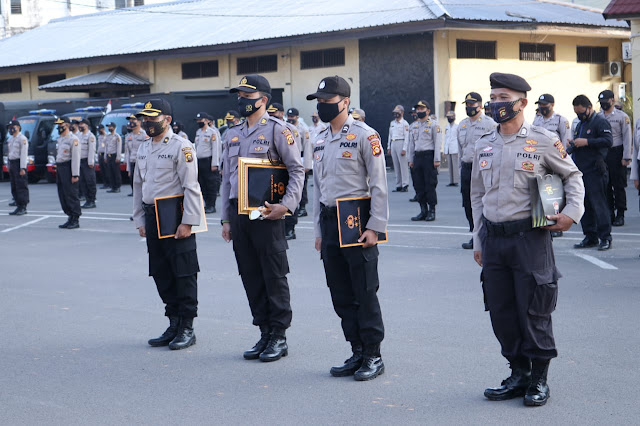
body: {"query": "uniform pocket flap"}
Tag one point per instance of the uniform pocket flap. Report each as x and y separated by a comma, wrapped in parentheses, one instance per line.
(370, 253)
(547, 276)
(164, 164)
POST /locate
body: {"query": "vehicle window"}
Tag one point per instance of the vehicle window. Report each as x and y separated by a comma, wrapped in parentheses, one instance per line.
(120, 119)
(28, 126)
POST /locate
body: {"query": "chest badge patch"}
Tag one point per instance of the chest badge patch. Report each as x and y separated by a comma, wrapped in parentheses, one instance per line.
(528, 166)
(235, 139)
(532, 142)
(350, 137)
(530, 148)
(484, 163)
(258, 148)
(261, 137)
(347, 154)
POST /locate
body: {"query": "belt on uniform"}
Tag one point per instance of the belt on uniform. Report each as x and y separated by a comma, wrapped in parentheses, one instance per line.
(62, 163)
(148, 208)
(393, 140)
(503, 229)
(423, 153)
(328, 211)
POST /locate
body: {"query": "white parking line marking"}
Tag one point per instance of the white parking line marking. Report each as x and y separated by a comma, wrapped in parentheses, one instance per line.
(595, 261)
(26, 224)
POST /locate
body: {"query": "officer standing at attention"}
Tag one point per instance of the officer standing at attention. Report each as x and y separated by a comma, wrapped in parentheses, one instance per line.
(232, 118)
(317, 127)
(425, 140)
(469, 131)
(359, 114)
(87, 163)
(349, 162)
(132, 143)
(113, 148)
(397, 148)
(618, 157)
(102, 162)
(178, 129)
(588, 148)
(166, 165)
(518, 265)
(208, 147)
(18, 149)
(259, 245)
(293, 118)
(68, 173)
(451, 148)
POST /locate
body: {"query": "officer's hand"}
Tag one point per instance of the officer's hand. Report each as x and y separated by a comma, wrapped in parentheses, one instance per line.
(436, 164)
(636, 183)
(389, 150)
(214, 168)
(580, 142)
(22, 172)
(563, 222)
(184, 231)
(307, 170)
(318, 244)
(410, 165)
(142, 231)
(277, 211)
(477, 256)
(226, 232)
(369, 237)
(129, 174)
(91, 167)
(403, 153)
(117, 161)
(625, 163)
(74, 179)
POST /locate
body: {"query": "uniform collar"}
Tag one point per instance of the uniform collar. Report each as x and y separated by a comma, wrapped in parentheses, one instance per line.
(262, 122)
(344, 130)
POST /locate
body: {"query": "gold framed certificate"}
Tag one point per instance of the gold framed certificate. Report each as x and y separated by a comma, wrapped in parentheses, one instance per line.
(353, 215)
(169, 216)
(258, 181)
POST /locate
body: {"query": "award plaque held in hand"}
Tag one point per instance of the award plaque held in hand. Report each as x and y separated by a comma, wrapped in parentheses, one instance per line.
(353, 215)
(547, 198)
(260, 180)
(169, 212)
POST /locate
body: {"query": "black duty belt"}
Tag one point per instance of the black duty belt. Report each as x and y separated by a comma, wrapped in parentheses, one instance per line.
(507, 228)
(423, 153)
(148, 208)
(328, 211)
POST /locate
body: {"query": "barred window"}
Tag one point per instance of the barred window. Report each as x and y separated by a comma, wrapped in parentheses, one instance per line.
(592, 54)
(257, 64)
(199, 69)
(11, 85)
(16, 7)
(474, 49)
(322, 58)
(137, 3)
(537, 52)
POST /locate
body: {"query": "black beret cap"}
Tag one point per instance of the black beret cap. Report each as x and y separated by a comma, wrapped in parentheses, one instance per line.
(330, 87)
(252, 83)
(500, 80)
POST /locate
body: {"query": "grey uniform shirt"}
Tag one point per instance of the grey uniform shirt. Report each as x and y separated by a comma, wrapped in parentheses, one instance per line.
(621, 131)
(166, 168)
(556, 124)
(468, 134)
(208, 144)
(636, 152)
(451, 139)
(305, 143)
(423, 136)
(399, 131)
(18, 147)
(88, 147)
(271, 136)
(350, 164)
(132, 143)
(101, 143)
(315, 130)
(113, 144)
(69, 150)
(501, 170)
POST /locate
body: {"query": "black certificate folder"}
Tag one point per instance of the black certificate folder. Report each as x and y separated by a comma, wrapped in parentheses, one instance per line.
(353, 215)
(169, 216)
(260, 181)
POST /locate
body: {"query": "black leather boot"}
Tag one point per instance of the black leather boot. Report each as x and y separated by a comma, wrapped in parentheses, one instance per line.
(256, 350)
(619, 219)
(515, 385)
(538, 391)
(372, 365)
(422, 215)
(469, 245)
(414, 199)
(185, 337)
(66, 224)
(431, 214)
(74, 223)
(169, 334)
(19, 211)
(276, 347)
(351, 365)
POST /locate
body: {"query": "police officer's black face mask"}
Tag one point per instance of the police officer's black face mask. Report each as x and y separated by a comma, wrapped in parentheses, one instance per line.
(72, 128)
(471, 111)
(451, 119)
(12, 130)
(502, 112)
(60, 130)
(154, 128)
(421, 114)
(315, 119)
(247, 106)
(397, 115)
(292, 120)
(544, 111)
(605, 106)
(583, 116)
(201, 124)
(327, 112)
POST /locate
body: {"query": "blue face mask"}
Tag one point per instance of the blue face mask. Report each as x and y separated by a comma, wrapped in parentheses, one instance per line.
(502, 112)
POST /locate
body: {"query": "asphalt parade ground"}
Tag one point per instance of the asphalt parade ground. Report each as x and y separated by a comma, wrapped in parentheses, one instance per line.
(77, 308)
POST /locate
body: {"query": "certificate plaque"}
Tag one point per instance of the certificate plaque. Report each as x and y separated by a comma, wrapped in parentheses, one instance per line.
(353, 215)
(169, 212)
(258, 181)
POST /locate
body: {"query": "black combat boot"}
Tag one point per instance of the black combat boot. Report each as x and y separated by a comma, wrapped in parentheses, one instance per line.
(209, 209)
(351, 365)
(19, 211)
(256, 350)
(89, 205)
(276, 347)
(619, 219)
(372, 365)
(169, 334)
(538, 391)
(414, 199)
(74, 223)
(66, 224)
(431, 214)
(290, 234)
(302, 212)
(469, 245)
(185, 337)
(422, 215)
(515, 385)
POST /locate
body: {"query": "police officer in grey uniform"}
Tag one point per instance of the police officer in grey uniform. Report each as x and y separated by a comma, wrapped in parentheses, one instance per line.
(113, 148)
(349, 162)
(178, 129)
(132, 143)
(87, 163)
(18, 149)
(166, 165)
(102, 159)
(518, 265)
(293, 118)
(469, 131)
(259, 245)
(68, 173)
(425, 141)
(397, 148)
(618, 157)
(208, 147)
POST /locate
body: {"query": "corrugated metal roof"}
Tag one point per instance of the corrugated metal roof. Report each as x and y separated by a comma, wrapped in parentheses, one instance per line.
(112, 77)
(622, 8)
(201, 23)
